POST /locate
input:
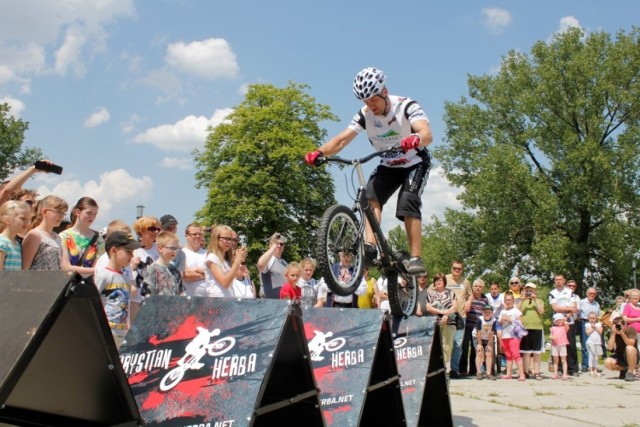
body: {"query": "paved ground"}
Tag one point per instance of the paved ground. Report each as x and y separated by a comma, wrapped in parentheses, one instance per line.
(580, 401)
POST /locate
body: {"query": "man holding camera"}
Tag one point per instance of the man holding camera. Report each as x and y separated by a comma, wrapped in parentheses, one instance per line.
(623, 344)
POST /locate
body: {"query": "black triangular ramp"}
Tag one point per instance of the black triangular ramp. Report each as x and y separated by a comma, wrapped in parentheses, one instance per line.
(353, 363)
(290, 394)
(421, 365)
(383, 403)
(59, 365)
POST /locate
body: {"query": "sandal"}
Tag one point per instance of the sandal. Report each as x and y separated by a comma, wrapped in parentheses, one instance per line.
(537, 376)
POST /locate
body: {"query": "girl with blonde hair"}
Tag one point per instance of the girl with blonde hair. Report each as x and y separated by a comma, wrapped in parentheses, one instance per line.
(14, 219)
(221, 262)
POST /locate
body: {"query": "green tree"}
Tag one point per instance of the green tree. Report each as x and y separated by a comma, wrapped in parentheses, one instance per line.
(12, 155)
(547, 153)
(253, 167)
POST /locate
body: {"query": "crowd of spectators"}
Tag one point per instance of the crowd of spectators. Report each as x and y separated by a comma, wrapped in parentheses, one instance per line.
(481, 331)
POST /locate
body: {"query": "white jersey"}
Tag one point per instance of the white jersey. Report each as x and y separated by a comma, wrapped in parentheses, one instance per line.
(388, 131)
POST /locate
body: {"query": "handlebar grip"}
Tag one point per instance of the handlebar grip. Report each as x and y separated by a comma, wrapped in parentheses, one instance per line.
(320, 160)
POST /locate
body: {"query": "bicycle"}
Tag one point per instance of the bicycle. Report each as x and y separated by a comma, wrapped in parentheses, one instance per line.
(341, 230)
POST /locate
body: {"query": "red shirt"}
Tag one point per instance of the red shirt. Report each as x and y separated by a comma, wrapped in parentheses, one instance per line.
(290, 291)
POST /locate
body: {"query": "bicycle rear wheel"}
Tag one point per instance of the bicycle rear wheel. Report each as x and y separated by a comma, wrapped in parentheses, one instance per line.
(402, 297)
(340, 233)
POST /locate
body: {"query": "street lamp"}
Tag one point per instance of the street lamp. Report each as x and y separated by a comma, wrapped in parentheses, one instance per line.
(139, 211)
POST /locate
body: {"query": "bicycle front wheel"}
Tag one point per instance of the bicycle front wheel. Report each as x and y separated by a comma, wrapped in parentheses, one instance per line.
(340, 235)
(403, 294)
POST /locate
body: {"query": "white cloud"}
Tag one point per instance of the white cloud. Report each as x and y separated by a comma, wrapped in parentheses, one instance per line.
(16, 106)
(69, 55)
(566, 23)
(210, 58)
(74, 30)
(114, 189)
(438, 195)
(184, 135)
(496, 19)
(100, 116)
(181, 163)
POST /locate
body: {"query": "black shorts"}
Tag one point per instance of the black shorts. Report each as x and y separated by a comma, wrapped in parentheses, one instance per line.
(532, 342)
(384, 181)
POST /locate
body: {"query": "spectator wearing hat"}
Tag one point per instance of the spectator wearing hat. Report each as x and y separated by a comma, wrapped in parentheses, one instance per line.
(170, 223)
(271, 267)
(114, 287)
(532, 309)
(562, 301)
(483, 341)
(559, 343)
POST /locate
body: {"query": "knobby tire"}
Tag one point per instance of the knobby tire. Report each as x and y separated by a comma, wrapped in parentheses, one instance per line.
(340, 231)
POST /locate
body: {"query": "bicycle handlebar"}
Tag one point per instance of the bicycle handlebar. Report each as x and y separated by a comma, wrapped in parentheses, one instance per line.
(335, 159)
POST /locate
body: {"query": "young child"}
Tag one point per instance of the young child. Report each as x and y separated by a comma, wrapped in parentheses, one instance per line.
(483, 339)
(41, 247)
(162, 277)
(14, 219)
(593, 329)
(291, 290)
(559, 342)
(114, 288)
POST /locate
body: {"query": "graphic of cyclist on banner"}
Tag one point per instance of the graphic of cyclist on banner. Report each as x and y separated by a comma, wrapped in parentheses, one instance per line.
(390, 121)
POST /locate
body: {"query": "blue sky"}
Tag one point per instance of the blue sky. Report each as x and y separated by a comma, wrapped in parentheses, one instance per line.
(119, 92)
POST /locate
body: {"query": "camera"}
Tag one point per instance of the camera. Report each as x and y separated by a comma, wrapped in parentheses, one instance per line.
(618, 327)
(528, 294)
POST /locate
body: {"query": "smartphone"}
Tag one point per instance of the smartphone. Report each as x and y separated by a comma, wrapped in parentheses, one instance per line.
(47, 167)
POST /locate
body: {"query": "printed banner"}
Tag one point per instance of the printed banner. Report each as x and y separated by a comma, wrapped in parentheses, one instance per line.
(423, 380)
(205, 361)
(344, 345)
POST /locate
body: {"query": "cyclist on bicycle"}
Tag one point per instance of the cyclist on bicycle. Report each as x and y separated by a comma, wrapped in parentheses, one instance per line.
(390, 121)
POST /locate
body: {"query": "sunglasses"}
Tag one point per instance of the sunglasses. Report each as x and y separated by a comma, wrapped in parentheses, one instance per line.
(153, 229)
(280, 244)
(228, 239)
(457, 268)
(514, 283)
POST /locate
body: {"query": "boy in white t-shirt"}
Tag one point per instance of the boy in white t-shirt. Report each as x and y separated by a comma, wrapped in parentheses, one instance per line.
(114, 288)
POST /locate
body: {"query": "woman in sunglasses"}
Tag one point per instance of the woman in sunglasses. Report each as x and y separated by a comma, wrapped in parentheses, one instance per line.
(147, 229)
(222, 263)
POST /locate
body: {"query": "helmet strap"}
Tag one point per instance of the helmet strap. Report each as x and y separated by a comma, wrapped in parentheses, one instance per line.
(387, 107)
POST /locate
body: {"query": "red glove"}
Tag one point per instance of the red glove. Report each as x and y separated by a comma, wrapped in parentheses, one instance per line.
(411, 142)
(311, 157)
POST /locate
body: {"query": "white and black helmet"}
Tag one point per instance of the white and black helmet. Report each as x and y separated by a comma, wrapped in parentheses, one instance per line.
(368, 83)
